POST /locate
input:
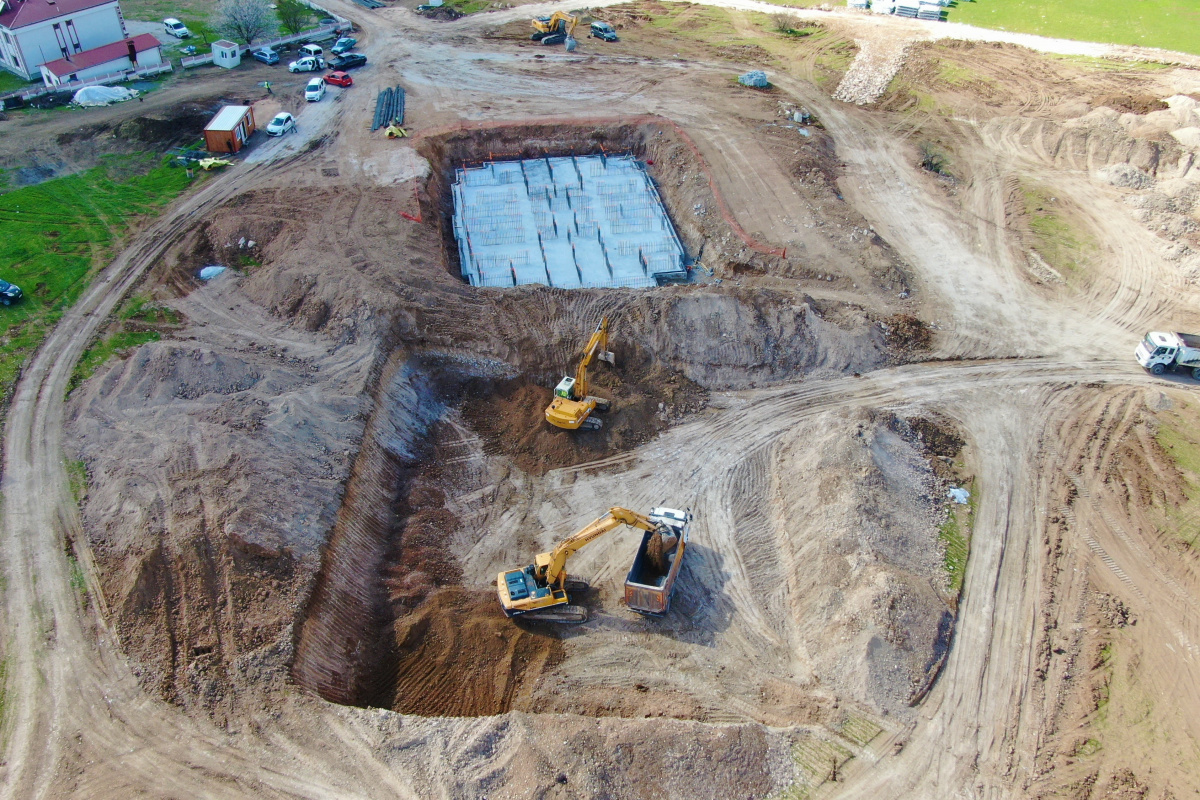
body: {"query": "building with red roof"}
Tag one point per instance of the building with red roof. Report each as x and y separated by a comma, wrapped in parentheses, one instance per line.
(143, 50)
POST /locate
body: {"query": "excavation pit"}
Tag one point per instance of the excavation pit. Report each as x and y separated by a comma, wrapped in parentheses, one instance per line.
(569, 222)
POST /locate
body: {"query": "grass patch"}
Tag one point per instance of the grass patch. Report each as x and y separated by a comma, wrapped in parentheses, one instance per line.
(1088, 747)
(60, 232)
(11, 83)
(78, 579)
(158, 10)
(474, 7)
(78, 478)
(139, 321)
(818, 761)
(1055, 238)
(3, 690)
(955, 535)
(1170, 24)
(1183, 523)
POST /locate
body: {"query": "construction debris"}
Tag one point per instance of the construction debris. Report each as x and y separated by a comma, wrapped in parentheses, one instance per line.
(755, 79)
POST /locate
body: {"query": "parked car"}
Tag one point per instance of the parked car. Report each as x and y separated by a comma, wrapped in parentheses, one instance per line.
(307, 64)
(176, 28)
(604, 31)
(9, 293)
(313, 50)
(281, 124)
(339, 79)
(343, 45)
(266, 55)
(315, 90)
(348, 61)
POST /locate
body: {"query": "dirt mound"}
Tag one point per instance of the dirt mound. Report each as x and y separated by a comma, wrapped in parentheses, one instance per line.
(1130, 103)
(511, 419)
(442, 13)
(457, 655)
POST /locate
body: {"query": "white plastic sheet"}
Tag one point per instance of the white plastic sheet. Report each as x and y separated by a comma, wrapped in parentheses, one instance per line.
(102, 95)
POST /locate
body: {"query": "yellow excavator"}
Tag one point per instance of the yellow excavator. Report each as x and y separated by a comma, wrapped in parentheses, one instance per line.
(571, 407)
(554, 29)
(540, 591)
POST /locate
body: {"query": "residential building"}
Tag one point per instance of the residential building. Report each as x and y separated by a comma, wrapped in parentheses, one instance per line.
(143, 50)
(37, 32)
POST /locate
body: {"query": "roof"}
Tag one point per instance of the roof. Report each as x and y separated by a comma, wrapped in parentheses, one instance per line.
(103, 54)
(19, 13)
(225, 43)
(227, 118)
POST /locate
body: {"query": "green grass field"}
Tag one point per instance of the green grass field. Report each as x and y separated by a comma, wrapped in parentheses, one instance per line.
(1170, 24)
(57, 234)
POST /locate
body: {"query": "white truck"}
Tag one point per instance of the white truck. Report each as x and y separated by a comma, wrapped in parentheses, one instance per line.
(1161, 351)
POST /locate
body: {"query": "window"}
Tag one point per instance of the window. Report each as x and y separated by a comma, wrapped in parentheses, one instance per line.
(62, 42)
(74, 36)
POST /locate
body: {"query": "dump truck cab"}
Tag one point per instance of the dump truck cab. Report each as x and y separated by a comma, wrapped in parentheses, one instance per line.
(1161, 351)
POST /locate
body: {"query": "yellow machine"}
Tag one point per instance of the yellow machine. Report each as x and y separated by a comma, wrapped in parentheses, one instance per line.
(554, 29)
(571, 407)
(539, 592)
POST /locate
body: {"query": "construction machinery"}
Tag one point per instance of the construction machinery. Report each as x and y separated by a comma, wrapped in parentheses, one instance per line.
(554, 29)
(541, 590)
(572, 408)
(1163, 351)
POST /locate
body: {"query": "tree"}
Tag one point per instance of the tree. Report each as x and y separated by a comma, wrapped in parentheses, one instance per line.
(246, 20)
(202, 30)
(293, 15)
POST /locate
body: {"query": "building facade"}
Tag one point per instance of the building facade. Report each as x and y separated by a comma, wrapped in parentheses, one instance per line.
(37, 32)
(143, 50)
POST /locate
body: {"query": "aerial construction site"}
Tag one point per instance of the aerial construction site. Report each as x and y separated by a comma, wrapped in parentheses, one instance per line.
(609, 428)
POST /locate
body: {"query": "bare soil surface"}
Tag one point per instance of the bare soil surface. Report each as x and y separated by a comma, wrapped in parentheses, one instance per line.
(279, 583)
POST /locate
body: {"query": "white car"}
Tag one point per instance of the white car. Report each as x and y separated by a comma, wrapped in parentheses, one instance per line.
(315, 90)
(307, 64)
(176, 28)
(282, 123)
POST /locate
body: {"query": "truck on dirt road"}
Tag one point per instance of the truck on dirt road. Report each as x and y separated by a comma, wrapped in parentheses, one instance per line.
(1161, 351)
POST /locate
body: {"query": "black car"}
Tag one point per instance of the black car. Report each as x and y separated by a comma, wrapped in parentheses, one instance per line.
(348, 61)
(9, 293)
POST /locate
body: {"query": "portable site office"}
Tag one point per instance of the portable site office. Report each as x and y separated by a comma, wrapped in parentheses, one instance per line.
(229, 129)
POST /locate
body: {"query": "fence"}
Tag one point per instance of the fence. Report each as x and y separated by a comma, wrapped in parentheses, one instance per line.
(323, 31)
(112, 77)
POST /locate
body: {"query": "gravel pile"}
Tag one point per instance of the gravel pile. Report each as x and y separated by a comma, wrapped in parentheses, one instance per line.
(871, 71)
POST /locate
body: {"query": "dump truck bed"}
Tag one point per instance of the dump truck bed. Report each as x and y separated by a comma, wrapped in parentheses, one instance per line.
(647, 590)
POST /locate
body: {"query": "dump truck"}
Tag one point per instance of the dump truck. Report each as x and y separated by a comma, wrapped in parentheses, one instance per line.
(1160, 352)
(652, 577)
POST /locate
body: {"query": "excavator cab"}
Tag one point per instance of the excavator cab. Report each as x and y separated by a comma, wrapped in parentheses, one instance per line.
(572, 408)
(565, 388)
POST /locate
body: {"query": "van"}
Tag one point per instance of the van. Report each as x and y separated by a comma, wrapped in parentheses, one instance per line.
(604, 32)
(315, 90)
(176, 28)
(313, 50)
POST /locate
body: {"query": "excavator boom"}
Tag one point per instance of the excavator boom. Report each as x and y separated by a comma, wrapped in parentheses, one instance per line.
(542, 586)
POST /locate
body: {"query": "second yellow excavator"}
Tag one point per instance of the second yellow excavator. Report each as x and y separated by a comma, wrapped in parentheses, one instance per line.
(539, 591)
(572, 407)
(554, 29)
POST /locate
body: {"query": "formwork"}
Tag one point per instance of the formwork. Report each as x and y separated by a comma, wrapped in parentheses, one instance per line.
(570, 222)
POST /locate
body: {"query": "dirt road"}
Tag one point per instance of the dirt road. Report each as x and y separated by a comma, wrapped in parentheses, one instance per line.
(1016, 367)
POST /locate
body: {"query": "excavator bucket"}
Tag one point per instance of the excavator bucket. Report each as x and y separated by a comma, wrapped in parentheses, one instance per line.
(606, 355)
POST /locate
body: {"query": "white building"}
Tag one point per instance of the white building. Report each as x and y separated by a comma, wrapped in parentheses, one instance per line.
(143, 50)
(36, 32)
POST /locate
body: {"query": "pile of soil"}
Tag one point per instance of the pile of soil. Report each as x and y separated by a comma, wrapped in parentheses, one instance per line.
(1130, 103)
(457, 655)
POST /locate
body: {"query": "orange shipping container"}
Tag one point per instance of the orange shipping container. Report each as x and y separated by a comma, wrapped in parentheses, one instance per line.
(229, 129)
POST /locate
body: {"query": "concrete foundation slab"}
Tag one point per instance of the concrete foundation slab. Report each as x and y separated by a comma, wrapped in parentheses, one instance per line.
(569, 222)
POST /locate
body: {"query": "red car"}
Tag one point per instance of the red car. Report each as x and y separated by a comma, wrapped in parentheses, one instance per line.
(339, 79)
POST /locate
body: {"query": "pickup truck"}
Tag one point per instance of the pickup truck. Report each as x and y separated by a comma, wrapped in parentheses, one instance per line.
(1160, 352)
